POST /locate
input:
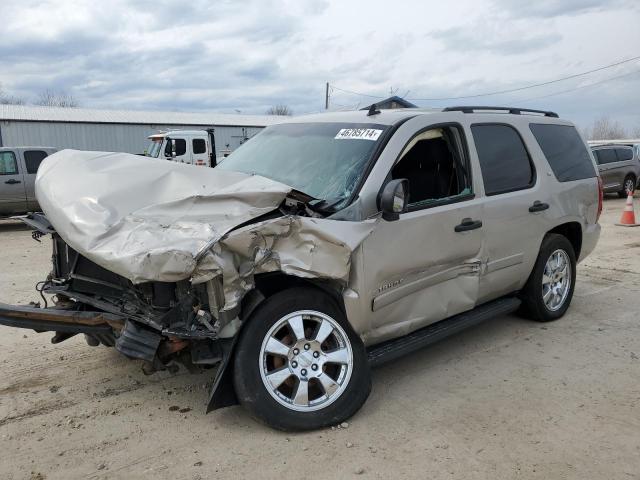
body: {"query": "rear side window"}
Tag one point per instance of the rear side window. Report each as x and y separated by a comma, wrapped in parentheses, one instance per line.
(33, 159)
(565, 151)
(8, 164)
(504, 160)
(606, 155)
(199, 146)
(624, 154)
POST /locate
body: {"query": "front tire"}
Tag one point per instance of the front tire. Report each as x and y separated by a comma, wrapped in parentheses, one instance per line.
(298, 364)
(549, 289)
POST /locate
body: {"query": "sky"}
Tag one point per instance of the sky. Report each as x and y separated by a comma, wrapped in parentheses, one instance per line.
(229, 56)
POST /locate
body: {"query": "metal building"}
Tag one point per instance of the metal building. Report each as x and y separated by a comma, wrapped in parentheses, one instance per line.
(117, 130)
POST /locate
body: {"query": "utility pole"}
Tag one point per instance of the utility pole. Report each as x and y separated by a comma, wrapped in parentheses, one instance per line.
(326, 97)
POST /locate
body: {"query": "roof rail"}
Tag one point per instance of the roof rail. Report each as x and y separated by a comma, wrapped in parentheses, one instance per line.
(512, 110)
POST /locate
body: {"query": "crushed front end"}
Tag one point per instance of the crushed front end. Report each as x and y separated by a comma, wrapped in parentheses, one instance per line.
(157, 322)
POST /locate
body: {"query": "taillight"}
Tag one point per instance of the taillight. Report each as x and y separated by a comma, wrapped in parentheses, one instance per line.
(600, 198)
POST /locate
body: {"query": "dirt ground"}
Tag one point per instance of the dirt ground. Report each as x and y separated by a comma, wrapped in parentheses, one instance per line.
(507, 399)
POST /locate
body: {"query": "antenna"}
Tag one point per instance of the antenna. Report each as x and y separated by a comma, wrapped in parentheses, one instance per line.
(373, 110)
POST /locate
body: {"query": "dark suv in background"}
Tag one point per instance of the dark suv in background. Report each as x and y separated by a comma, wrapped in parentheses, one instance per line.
(619, 166)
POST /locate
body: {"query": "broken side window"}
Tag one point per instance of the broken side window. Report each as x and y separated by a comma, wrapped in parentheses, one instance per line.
(435, 165)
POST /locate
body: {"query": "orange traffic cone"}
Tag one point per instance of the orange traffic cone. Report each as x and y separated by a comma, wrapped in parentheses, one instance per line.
(628, 218)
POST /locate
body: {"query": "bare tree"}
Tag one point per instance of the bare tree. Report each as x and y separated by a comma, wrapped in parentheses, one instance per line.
(279, 110)
(9, 99)
(635, 133)
(605, 129)
(49, 98)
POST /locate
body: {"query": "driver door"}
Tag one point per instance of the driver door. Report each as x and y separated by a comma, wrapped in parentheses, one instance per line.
(425, 266)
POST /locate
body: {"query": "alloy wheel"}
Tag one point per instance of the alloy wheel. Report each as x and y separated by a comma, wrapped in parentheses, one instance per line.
(306, 360)
(556, 280)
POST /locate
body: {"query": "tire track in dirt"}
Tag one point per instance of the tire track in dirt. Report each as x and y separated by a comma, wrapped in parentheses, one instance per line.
(40, 409)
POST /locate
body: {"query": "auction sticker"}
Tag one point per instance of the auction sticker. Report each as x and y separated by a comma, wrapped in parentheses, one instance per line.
(358, 133)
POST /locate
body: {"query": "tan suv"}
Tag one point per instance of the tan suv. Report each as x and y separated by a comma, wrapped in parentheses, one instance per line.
(323, 246)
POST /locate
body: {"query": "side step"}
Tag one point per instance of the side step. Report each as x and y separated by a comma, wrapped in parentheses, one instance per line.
(398, 347)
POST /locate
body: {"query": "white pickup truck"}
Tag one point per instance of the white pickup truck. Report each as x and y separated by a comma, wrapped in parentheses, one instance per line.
(194, 147)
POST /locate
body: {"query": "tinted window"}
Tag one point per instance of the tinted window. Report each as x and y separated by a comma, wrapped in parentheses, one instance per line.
(504, 160)
(8, 164)
(181, 146)
(565, 151)
(624, 154)
(199, 146)
(33, 159)
(606, 155)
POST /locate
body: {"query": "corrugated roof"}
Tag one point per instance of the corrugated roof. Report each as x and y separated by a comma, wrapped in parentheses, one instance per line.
(86, 115)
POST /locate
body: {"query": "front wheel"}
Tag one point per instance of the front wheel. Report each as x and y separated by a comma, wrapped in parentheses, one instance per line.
(549, 289)
(298, 365)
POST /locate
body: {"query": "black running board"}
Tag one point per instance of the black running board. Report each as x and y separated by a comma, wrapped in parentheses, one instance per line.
(392, 349)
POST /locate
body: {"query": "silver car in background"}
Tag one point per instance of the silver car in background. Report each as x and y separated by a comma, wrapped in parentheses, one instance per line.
(619, 166)
(18, 168)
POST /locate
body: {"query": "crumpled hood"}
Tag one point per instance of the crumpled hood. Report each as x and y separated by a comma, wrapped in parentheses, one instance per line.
(143, 218)
(154, 220)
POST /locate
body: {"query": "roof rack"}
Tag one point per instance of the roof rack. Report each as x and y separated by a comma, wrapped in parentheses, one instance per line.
(512, 110)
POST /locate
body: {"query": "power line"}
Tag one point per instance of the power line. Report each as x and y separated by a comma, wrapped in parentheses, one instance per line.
(582, 86)
(499, 92)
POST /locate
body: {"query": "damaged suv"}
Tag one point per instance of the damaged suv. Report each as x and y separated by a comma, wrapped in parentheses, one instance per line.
(323, 246)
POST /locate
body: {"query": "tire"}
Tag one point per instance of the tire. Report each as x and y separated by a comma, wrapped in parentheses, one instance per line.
(268, 384)
(629, 181)
(558, 299)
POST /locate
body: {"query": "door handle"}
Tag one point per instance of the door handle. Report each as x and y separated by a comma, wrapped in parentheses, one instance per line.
(12, 181)
(468, 224)
(538, 206)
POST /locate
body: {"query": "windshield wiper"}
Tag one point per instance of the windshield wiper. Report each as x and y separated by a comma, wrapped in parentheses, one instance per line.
(327, 205)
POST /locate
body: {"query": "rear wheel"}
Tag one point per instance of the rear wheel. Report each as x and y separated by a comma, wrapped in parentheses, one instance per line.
(298, 365)
(549, 289)
(629, 185)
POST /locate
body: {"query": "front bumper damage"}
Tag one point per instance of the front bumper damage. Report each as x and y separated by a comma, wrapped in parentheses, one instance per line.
(162, 261)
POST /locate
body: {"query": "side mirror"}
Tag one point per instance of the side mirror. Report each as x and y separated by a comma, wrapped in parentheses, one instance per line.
(394, 199)
(170, 148)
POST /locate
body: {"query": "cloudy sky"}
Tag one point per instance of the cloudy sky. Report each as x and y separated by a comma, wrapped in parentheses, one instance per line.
(247, 55)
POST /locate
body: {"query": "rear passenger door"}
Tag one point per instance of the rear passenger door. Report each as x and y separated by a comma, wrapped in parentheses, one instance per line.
(32, 161)
(512, 232)
(12, 193)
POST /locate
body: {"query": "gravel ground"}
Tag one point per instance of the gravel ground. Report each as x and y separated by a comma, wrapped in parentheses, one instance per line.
(507, 399)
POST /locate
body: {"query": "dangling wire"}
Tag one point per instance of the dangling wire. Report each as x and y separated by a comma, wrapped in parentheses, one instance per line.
(40, 286)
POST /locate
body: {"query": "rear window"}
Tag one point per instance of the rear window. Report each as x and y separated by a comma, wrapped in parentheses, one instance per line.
(33, 159)
(565, 151)
(606, 155)
(624, 154)
(504, 160)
